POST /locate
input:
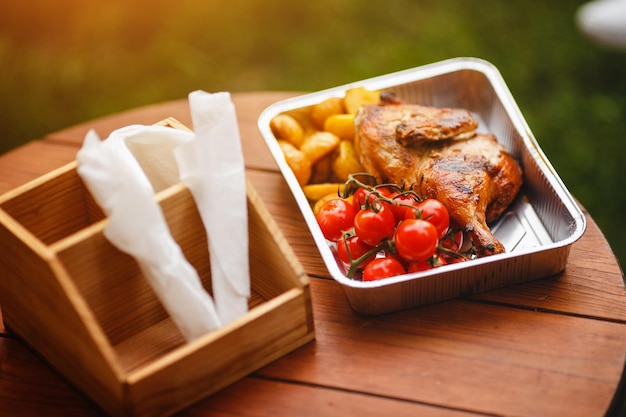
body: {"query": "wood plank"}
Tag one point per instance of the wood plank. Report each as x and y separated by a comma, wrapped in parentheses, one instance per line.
(464, 355)
(29, 388)
(32, 160)
(432, 361)
(25, 376)
(278, 398)
(592, 284)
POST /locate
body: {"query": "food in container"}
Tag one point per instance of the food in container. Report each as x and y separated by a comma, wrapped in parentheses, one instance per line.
(537, 229)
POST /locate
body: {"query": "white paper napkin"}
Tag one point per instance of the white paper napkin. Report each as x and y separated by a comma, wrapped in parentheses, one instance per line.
(124, 171)
(136, 224)
(212, 167)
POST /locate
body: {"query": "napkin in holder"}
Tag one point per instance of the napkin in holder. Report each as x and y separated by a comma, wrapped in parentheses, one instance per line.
(123, 173)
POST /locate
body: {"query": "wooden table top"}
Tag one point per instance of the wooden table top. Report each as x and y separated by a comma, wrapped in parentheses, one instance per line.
(549, 347)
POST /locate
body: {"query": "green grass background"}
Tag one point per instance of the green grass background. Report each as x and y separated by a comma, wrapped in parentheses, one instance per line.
(64, 62)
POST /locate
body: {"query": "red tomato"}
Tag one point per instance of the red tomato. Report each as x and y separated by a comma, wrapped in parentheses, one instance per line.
(351, 249)
(334, 217)
(416, 266)
(405, 207)
(381, 268)
(416, 239)
(455, 260)
(362, 195)
(373, 227)
(435, 212)
(359, 198)
(454, 241)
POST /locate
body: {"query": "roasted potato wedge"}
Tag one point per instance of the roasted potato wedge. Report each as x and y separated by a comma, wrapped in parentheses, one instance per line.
(346, 161)
(319, 144)
(356, 97)
(341, 125)
(286, 127)
(297, 161)
(321, 111)
(316, 191)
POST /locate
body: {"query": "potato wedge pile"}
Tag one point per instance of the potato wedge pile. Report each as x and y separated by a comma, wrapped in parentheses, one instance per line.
(318, 141)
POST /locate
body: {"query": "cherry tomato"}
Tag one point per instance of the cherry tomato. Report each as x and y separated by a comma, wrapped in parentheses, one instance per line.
(372, 227)
(416, 239)
(381, 268)
(405, 207)
(334, 217)
(454, 260)
(351, 249)
(362, 195)
(454, 240)
(416, 266)
(436, 213)
(397, 257)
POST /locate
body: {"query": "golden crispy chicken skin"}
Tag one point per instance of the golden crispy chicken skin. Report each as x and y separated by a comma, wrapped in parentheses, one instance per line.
(419, 123)
(438, 152)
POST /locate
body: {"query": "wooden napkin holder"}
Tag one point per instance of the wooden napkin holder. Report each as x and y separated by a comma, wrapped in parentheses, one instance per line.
(86, 308)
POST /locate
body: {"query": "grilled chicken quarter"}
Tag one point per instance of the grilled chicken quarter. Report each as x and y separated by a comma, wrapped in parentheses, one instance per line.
(438, 152)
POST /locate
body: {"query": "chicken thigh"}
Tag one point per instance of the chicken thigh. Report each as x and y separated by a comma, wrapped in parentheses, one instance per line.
(438, 153)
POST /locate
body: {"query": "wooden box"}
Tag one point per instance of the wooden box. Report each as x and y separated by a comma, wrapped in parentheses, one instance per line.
(85, 307)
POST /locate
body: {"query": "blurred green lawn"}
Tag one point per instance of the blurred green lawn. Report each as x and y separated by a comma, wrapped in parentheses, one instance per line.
(67, 61)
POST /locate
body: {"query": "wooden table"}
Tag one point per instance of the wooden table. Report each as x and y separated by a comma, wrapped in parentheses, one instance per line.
(551, 347)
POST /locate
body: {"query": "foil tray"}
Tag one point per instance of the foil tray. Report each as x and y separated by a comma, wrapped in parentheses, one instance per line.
(537, 230)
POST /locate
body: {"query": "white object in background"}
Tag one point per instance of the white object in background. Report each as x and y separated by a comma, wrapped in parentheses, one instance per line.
(604, 21)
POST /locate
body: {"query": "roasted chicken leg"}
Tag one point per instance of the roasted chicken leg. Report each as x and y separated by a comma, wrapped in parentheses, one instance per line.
(438, 152)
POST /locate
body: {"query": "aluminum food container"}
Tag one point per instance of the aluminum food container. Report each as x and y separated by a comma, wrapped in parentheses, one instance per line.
(537, 230)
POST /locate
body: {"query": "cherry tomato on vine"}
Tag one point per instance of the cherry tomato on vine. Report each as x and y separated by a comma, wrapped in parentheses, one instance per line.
(405, 207)
(386, 191)
(430, 263)
(362, 195)
(436, 213)
(454, 260)
(351, 249)
(398, 258)
(454, 240)
(416, 239)
(451, 244)
(372, 227)
(381, 268)
(334, 217)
